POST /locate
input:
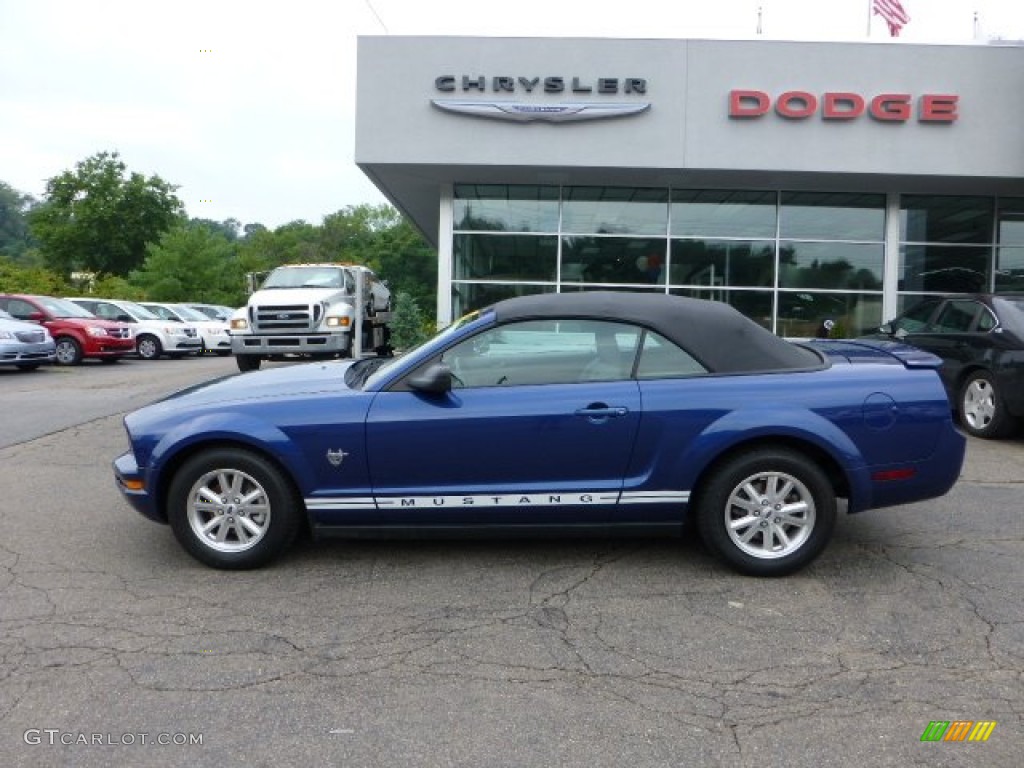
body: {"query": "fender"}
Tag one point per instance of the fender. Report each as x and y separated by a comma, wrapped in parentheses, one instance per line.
(229, 426)
(774, 421)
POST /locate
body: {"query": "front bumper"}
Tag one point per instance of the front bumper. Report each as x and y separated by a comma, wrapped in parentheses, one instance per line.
(310, 344)
(131, 482)
(22, 354)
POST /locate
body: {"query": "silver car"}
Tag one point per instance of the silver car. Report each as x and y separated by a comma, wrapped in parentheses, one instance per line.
(24, 345)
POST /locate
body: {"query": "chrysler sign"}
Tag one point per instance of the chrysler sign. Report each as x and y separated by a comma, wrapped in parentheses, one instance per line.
(839, 105)
(502, 108)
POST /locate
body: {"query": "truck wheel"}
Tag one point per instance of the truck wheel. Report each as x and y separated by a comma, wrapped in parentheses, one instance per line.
(248, 362)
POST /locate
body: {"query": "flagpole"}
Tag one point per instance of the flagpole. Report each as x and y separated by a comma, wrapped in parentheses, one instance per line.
(869, 19)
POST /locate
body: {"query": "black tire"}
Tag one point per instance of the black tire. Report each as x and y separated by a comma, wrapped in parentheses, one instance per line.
(69, 351)
(223, 352)
(27, 366)
(753, 479)
(149, 347)
(256, 521)
(982, 409)
(248, 362)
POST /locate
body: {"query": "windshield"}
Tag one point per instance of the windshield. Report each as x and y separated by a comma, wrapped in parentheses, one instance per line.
(62, 308)
(308, 277)
(189, 314)
(361, 376)
(139, 311)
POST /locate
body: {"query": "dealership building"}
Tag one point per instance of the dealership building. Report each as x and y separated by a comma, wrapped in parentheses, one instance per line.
(796, 181)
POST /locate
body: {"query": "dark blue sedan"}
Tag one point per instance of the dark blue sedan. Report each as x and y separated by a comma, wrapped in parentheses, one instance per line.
(614, 413)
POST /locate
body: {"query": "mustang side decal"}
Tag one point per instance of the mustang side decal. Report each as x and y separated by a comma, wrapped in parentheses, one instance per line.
(573, 499)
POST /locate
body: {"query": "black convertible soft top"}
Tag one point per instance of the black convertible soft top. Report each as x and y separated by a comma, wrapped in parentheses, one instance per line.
(720, 337)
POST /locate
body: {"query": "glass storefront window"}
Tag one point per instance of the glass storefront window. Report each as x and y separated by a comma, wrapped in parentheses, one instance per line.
(615, 260)
(722, 263)
(803, 314)
(505, 257)
(1010, 270)
(944, 268)
(832, 216)
(831, 265)
(467, 297)
(615, 210)
(723, 213)
(940, 219)
(504, 208)
(757, 305)
(1011, 221)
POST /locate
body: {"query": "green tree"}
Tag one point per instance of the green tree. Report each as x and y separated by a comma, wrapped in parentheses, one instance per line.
(100, 218)
(408, 326)
(192, 263)
(15, 240)
(17, 278)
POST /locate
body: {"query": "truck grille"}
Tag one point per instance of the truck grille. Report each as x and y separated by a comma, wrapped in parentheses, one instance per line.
(285, 317)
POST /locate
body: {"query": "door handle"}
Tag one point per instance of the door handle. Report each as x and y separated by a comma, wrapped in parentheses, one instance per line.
(601, 411)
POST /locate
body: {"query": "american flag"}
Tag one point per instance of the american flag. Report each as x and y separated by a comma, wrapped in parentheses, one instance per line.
(893, 13)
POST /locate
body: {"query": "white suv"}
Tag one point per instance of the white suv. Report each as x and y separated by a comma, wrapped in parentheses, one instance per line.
(153, 337)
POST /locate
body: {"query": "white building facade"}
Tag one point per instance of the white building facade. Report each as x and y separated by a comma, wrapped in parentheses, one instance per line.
(796, 181)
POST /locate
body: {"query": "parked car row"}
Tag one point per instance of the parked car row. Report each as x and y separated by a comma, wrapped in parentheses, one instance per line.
(107, 330)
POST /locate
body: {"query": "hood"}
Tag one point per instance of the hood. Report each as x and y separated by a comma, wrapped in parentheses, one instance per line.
(85, 322)
(289, 381)
(297, 295)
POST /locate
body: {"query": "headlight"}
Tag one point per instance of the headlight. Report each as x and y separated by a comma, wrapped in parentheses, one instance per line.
(93, 330)
(7, 335)
(239, 324)
(338, 322)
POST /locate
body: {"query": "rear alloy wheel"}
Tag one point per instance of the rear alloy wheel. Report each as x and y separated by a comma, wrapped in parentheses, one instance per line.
(982, 410)
(768, 512)
(69, 351)
(232, 509)
(148, 347)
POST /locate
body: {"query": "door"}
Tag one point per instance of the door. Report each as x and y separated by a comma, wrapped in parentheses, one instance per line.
(532, 432)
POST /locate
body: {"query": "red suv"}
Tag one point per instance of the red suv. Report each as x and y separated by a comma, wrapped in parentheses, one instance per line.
(78, 334)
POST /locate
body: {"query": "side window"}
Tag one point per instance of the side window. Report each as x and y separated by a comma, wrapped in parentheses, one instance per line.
(916, 318)
(957, 316)
(104, 310)
(20, 309)
(986, 321)
(661, 359)
(545, 352)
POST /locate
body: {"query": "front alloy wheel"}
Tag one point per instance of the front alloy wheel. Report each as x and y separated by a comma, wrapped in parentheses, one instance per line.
(232, 509)
(767, 512)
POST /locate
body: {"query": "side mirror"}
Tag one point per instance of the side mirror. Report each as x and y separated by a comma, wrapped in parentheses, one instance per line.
(435, 380)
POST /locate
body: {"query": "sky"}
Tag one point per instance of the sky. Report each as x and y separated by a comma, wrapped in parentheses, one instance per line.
(248, 106)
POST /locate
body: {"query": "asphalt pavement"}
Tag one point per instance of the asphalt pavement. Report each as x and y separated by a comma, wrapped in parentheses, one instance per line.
(567, 652)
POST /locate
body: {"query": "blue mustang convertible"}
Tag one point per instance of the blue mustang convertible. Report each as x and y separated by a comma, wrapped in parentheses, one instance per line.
(583, 412)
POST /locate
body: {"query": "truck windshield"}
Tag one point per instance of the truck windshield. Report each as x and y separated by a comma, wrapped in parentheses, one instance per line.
(307, 277)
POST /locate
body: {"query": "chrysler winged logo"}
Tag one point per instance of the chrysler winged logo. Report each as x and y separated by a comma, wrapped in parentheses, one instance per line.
(520, 112)
(336, 457)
